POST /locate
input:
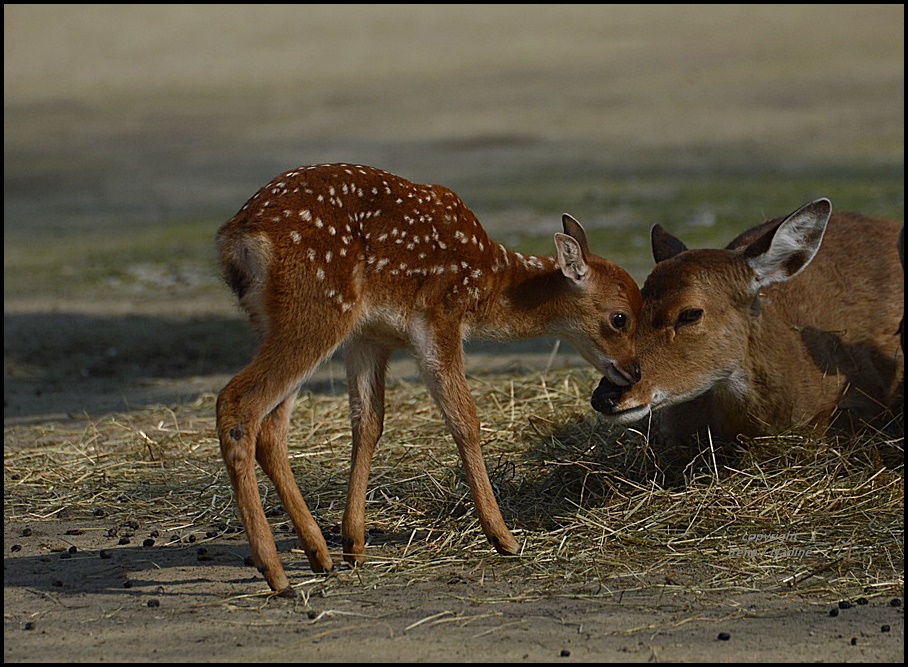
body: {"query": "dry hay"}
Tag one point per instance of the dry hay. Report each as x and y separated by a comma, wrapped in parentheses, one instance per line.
(594, 508)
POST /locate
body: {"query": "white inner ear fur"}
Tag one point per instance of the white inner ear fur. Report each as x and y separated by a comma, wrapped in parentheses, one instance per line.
(795, 244)
(570, 258)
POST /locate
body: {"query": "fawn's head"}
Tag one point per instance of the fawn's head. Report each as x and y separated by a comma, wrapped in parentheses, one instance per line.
(601, 306)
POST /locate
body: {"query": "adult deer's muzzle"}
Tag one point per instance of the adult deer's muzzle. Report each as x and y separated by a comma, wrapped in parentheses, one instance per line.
(606, 396)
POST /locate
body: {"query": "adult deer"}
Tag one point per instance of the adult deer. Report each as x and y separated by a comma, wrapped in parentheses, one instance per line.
(901, 246)
(340, 254)
(792, 327)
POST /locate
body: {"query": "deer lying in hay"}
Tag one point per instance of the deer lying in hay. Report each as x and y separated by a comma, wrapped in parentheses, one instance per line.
(793, 327)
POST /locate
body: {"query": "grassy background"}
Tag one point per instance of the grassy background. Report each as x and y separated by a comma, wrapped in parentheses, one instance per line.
(132, 132)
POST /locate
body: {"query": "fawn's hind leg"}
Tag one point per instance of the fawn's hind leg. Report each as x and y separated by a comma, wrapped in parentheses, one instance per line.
(246, 409)
(367, 362)
(272, 453)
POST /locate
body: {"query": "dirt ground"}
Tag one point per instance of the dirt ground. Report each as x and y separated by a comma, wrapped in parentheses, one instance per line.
(159, 604)
(119, 118)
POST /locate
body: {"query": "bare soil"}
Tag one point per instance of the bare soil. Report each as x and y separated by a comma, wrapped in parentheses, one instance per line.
(119, 118)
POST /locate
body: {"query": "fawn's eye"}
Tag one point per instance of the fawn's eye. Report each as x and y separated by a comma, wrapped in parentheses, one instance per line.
(689, 316)
(619, 320)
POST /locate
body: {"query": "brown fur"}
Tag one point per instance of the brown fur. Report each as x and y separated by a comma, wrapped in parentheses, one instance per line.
(813, 352)
(333, 255)
(901, 247)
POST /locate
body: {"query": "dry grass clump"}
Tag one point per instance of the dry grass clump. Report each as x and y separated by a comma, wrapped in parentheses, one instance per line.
(597, 508)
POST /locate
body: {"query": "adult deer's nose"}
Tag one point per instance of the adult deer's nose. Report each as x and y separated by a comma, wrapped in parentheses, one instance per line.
(606, 395)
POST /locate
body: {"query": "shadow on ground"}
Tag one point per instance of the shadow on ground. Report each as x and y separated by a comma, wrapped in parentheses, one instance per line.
(126, 362)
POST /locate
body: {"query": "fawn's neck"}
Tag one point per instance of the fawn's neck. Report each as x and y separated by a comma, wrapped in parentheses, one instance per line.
(522, 299)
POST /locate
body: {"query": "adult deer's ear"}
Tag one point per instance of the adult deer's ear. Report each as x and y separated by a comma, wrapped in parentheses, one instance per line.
(665, 246)
(783, 253)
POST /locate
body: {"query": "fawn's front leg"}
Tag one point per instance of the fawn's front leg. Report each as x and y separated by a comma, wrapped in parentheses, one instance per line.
(440, 353)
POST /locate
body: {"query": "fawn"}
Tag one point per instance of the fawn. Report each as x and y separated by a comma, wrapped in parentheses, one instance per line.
(340, 254)
(793, 327)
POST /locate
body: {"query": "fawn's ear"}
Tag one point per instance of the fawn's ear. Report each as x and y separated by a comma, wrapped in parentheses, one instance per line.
(786, 251)
(665, 246)
(570, 258)
(571, 248)
(574, 229)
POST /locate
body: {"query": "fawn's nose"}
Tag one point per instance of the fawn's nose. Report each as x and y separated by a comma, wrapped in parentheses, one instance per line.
(629, 372)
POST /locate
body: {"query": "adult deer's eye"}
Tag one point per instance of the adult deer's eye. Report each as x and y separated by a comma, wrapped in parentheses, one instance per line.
(689, 316)
(619, 320)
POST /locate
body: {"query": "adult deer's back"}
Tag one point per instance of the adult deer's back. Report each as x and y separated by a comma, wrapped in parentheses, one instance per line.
(333, 255)
(792, 327)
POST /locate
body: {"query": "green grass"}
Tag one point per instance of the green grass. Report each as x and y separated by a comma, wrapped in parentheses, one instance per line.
(703, 208)
(75, 265)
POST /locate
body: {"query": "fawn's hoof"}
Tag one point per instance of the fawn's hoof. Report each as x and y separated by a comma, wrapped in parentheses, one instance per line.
(353, 556)
(288, 592)
(320, 561)
(506, 546)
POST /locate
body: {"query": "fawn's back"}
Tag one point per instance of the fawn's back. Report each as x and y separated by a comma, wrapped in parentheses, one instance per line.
(370, 250)
(351, 233)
